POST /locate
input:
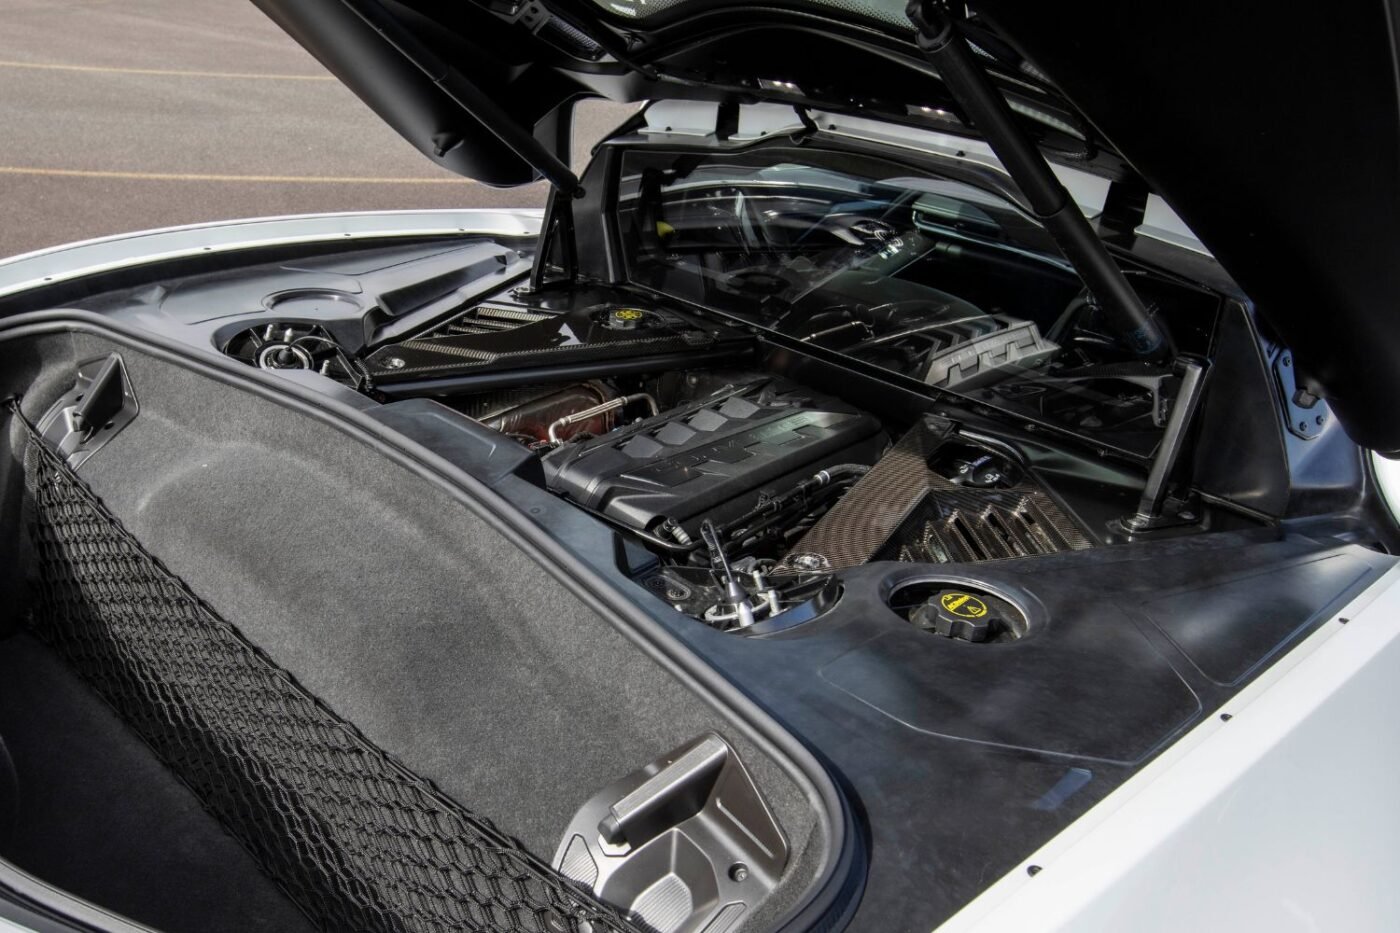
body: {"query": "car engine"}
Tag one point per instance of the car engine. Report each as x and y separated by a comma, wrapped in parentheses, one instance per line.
(749, 490)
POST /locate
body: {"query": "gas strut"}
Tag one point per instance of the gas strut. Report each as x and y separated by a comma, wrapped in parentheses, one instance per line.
(946, 49)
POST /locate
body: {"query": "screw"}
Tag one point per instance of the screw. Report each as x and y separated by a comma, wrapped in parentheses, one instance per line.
(1320, 419)
(1032, 870)
(1226, 717)
(739, 872)
(395, 362)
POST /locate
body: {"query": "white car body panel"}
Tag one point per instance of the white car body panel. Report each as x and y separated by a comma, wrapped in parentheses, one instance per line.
(89, 257)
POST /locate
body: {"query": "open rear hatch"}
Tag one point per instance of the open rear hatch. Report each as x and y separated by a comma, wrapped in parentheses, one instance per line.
(1225, 112)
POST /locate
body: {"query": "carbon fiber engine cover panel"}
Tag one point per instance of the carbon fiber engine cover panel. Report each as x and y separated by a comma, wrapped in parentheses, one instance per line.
(715, 457)
(904, 510)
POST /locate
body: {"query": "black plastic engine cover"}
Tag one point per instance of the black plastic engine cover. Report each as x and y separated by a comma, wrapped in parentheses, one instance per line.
(715, 457)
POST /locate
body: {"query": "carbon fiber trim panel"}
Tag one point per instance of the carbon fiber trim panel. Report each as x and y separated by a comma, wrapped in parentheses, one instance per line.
(498, 335)
(903, 510)
(443, 355)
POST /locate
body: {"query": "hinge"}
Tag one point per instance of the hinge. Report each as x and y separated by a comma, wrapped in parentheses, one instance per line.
(93, 412)
(1305, 414)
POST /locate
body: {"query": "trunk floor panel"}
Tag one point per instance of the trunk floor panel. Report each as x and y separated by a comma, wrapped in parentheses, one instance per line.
(99, 816)
(357, 840)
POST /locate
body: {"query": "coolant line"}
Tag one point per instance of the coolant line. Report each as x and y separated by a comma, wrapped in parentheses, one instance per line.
(602, 409)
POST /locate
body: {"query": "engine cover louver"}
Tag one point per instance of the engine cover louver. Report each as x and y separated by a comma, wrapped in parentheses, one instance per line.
(955, 525)
(904, 510)
(487, 319)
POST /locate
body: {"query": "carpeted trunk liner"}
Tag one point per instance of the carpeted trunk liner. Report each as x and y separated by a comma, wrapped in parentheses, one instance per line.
(357, 840)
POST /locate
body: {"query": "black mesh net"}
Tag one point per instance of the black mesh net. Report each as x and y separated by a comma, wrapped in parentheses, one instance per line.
(353, 837)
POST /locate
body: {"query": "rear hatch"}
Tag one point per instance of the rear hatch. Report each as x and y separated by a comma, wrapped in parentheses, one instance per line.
(1275, 137)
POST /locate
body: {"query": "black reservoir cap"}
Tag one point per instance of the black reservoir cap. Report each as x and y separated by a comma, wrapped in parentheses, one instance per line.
(957, 614)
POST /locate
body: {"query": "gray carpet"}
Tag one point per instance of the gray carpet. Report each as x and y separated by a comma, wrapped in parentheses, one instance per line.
(401, 609)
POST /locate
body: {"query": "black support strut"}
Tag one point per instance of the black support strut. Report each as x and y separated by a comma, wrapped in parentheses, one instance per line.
(963, 75)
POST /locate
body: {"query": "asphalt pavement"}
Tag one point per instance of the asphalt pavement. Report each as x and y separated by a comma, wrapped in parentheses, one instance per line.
(123, 115)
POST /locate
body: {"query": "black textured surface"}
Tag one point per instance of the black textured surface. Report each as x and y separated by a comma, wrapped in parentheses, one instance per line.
(1095, 688)
(393, 603)
(1229, 624)
(358, 841)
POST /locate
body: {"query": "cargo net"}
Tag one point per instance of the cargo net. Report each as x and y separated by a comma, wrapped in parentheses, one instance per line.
(354, 838)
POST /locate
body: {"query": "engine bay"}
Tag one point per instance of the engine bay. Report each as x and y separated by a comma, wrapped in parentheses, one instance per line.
(789, 363)
(810, 362)
(780, 383)
(752, 491)
(746, 490)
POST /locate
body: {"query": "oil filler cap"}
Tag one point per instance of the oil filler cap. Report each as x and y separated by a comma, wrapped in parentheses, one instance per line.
(627, 318)
(957, 614)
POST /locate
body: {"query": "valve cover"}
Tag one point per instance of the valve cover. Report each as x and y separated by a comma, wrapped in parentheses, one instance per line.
(714, 457)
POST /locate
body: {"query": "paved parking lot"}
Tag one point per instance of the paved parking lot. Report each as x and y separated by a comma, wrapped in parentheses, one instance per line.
(119, 115)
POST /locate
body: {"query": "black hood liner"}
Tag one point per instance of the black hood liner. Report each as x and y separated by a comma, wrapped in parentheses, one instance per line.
(1277, 139)
(489, 51)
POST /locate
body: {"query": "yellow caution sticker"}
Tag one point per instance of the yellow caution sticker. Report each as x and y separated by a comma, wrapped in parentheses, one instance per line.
(963, 605)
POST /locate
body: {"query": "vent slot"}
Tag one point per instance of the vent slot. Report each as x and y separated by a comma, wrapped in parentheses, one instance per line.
(904, 510)
(486, 319)
(958, 529)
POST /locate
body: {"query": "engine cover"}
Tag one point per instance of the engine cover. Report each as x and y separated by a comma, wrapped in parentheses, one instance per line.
(715, 457)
